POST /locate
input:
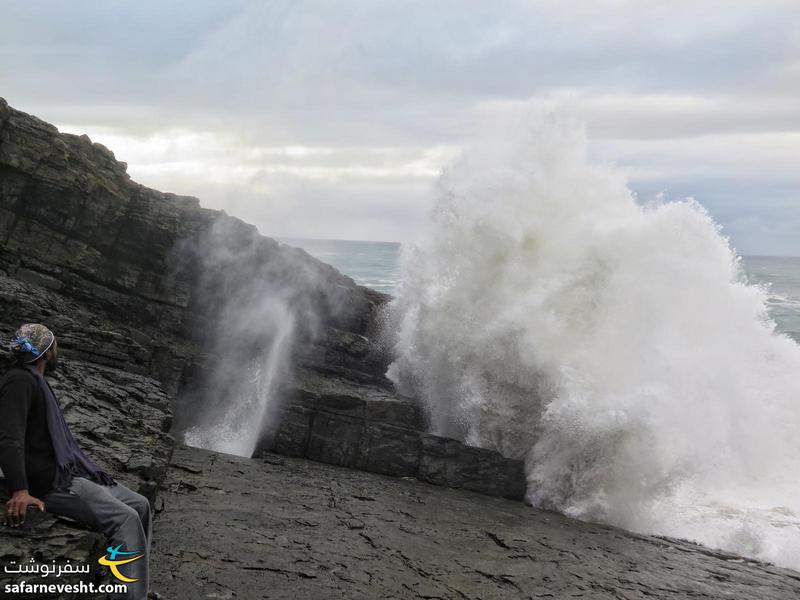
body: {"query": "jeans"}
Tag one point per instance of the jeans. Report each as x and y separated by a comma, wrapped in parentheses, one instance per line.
(121, 514)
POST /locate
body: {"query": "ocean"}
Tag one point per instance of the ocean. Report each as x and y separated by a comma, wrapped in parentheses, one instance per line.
(377, 265)
(782, 276)
(371, 264)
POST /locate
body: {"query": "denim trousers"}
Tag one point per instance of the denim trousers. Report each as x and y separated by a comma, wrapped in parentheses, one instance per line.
(121, 514)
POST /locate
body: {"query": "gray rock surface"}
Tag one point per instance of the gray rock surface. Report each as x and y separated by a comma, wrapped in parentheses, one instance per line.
(289, 528)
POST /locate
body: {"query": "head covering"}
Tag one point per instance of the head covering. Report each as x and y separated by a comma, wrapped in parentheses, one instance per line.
(31, 341)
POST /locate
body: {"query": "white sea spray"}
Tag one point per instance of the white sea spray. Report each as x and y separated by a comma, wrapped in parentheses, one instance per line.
(615, 346)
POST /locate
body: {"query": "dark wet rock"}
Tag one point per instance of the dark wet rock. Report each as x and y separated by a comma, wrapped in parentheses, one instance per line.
(371, 428)
(289, 528)
(393, 450)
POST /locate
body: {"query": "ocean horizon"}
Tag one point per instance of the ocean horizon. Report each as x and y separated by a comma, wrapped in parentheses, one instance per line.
(376, 265)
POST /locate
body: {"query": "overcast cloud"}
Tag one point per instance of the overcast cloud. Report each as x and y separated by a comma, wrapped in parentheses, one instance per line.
(331, 119)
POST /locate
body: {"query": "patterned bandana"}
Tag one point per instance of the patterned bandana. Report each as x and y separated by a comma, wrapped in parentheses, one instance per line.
(31, 341)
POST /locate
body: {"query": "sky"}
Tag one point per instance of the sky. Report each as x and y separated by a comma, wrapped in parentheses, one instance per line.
(332, 118)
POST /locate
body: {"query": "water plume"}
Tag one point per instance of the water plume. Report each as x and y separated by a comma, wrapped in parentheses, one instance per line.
(614, 345)
(255, 301)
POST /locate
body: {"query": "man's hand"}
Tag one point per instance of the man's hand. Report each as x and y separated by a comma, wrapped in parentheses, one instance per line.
(18, 505)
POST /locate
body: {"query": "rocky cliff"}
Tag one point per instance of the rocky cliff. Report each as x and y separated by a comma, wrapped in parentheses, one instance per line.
(117, 271)
(159, 303)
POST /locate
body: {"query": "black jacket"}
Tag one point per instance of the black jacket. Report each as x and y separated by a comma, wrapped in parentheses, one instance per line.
(26, 452)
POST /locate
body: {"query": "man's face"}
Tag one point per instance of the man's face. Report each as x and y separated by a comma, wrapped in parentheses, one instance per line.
(52, 358)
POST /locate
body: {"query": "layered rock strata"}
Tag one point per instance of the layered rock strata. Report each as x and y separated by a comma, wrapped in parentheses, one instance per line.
(372, 429)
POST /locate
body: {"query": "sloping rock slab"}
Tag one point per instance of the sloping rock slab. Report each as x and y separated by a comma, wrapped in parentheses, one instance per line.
(290, 528)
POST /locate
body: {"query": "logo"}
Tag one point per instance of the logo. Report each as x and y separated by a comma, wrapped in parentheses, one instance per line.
(111, 561)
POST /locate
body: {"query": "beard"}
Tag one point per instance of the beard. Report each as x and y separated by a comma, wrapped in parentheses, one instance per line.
(51, 364)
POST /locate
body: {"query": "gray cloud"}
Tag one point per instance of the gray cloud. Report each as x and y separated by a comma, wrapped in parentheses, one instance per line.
(331, 119)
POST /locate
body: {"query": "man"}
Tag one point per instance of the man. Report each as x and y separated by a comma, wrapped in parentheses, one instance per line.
(44, 467)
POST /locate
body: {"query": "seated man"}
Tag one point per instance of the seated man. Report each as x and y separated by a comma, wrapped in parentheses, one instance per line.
(43, 465)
